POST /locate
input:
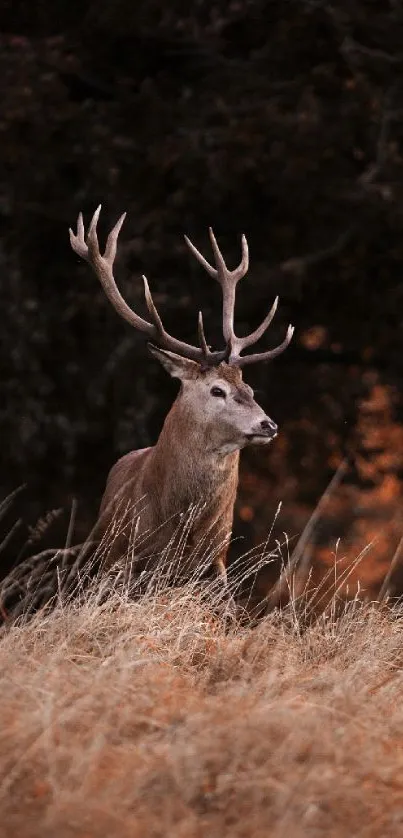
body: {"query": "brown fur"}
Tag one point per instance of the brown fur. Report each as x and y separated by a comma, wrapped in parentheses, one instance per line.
(153, 486)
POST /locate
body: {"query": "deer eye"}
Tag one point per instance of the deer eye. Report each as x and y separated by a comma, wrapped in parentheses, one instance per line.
(217, 391)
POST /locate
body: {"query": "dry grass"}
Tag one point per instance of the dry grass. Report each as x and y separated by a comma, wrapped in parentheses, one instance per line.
(150, 718)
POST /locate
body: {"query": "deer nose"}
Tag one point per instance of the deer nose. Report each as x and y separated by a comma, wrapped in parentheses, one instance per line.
(268, 426)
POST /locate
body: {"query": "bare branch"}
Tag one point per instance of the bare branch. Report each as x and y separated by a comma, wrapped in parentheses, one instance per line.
(367, 178)
(299, 264)
(351, 46)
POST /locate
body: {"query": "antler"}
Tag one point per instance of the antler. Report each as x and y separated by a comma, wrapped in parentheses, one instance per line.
(87, 247)
(228, 281)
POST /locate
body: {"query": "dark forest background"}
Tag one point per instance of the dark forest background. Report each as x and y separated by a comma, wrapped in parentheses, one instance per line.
(283, 120)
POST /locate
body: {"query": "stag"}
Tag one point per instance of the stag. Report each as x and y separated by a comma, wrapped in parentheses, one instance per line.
(195, 461)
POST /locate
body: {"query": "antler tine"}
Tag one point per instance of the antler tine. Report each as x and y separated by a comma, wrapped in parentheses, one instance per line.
(77, 241)
(151, 307)
(222, 270)
(249, 340)
(228, 280)
(112, 240)
(265, 356)
(92, 236)
(87, 247)
(103, 266)
(202, 336)
(242, 343)
(200, 258)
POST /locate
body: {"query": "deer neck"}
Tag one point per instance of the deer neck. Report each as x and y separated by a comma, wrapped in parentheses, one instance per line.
(186, 460)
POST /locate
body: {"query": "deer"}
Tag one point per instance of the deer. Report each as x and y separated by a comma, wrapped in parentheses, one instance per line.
(195, 461)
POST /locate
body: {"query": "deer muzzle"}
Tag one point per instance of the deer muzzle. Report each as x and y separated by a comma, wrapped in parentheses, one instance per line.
(264, 431)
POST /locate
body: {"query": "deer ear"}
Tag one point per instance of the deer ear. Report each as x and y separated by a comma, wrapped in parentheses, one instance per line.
(177, 366)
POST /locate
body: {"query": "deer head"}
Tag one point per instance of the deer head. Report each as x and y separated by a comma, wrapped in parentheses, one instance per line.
(213, 395)
(217, 404)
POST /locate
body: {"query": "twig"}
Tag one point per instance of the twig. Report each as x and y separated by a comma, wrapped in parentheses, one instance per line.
(299, 264)
(373, 170)
(72, 521)
(384, 593)
(349, 46)
(283, 583)
(6, 503)
(8, 537)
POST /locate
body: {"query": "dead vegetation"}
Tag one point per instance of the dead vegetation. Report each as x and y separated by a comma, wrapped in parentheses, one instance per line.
(153, 717)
